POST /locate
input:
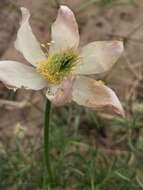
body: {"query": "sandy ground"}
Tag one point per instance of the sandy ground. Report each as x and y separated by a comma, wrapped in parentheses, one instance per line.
(95, 23)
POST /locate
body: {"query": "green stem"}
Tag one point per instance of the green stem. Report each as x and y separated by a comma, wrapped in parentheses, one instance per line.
(46, 140)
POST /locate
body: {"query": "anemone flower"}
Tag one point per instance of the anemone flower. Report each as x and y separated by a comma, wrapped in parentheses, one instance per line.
(62, 67)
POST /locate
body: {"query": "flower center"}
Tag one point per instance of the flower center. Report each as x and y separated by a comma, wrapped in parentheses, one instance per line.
(58, 66)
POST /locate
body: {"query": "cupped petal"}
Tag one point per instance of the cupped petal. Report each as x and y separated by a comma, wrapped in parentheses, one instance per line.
(61, 94)
(98, 57)
(94, 94)
(65, 32)
(18, 75)
(26, 42)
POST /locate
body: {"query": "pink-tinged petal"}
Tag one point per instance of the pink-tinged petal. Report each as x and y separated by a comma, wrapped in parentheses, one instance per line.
(65, 32)
(61, 94)
(18, 75)
(26, 42)
(99, 57)
(93, 94)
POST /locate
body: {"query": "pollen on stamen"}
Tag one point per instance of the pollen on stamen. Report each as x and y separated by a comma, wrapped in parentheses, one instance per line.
(58, 66)
(45, 48)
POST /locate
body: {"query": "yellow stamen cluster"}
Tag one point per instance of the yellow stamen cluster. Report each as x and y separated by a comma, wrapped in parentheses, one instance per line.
(58, 66)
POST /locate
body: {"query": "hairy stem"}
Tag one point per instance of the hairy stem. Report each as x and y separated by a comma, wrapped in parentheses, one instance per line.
(46, 140)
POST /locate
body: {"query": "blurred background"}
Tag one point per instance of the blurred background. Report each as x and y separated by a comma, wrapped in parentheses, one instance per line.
(89, 150)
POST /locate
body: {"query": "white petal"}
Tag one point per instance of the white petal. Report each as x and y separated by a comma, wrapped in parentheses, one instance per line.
(26, 42)
(93, 94)
(64, 31)
(98, 57)
(18, 75)
(61, 94)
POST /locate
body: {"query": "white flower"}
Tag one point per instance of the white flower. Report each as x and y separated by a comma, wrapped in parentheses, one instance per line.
(62, 71)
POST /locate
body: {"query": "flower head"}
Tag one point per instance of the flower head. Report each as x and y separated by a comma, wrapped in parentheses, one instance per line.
(62, 67)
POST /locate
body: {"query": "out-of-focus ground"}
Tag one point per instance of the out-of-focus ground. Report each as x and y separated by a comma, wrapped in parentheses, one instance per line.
(97, 21)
